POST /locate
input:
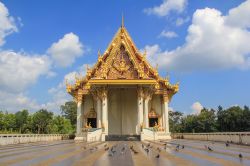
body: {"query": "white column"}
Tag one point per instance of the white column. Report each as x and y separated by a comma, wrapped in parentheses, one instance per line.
(105, 111)
(146, 112)
(163, 113)
(140, 111)
(166, 114)
(79, 117)
(98, 111)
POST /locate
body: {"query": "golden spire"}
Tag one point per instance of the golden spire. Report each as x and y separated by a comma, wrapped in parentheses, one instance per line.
(99, 53)
(122, 21)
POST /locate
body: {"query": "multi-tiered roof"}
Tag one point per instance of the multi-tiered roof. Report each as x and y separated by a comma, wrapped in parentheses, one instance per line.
(122, 64)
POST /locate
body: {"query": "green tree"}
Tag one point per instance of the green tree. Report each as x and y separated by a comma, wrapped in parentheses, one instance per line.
(206, 121)
(21, 120)
(41, 120)
(1, 120)
(69, 111)
(175, 118)
(9, 122)
(203, 122)
(61, 125)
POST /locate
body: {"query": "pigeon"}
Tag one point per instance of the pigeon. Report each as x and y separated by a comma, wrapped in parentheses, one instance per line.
(91, 150)
(227, 144)
(147, 151)
(157, 156)
(209, 148)
(135, 152)
(240, 155)
(106, 149)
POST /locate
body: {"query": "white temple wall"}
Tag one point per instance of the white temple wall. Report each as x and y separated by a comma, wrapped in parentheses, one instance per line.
(114, 112)
(122, 111)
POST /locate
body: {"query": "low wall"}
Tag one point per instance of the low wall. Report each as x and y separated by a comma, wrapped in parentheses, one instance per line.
(6, 139)
(235, 137)
(154, 135)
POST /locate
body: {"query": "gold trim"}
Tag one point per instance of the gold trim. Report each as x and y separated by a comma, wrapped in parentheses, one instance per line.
(122, 82)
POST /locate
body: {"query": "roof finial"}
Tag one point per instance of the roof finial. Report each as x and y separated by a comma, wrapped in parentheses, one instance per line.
(122, 20)
(99, 53)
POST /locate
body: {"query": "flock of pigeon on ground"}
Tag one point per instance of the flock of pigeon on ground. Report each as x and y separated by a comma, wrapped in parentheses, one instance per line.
(146, 148)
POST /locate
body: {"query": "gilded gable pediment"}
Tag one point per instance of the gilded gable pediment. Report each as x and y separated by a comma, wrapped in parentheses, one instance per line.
(122, 63)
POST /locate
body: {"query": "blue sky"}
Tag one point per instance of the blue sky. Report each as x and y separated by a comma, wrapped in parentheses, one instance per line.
(202, 44)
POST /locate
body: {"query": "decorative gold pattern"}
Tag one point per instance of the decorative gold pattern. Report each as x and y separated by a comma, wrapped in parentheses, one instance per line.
(91, 114)
(122, 64)
(152, 113)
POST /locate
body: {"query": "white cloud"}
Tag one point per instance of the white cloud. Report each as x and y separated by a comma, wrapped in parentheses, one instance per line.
(180, 21)
(7, 23)
(18, 70)
(240, 15)
(14, 102)
(196, 107)
(167, 6)
(59, 94)
(213, 42)
(66, 50)
(168, 34)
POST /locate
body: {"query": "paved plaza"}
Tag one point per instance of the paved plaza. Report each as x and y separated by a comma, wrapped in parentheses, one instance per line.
(174, 152)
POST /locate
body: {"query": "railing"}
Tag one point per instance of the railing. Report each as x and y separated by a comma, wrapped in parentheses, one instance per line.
(153, 134)
(234, 137)
(93, 129)
(94, 134)
(6, 139)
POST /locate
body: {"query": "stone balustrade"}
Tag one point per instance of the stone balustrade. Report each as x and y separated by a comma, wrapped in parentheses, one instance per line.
(6, 139)
(149, 134)
(235, 137)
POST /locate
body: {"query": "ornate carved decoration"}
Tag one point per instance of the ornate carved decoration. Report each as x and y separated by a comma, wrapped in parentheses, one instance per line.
(90, 114)
(101, 92)
(122, 60)
(152, 113)
(140, 91)
(147, 93)
(165, 98)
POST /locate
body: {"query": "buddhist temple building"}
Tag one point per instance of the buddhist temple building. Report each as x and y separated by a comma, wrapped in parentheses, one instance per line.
(122, 95)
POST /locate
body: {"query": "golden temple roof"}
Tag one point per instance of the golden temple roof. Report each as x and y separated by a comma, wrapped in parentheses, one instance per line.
(122, 63)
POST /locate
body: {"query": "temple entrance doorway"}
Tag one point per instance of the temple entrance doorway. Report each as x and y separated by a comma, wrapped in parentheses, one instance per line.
(153, 122)
(92, 122)
(122, 111)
